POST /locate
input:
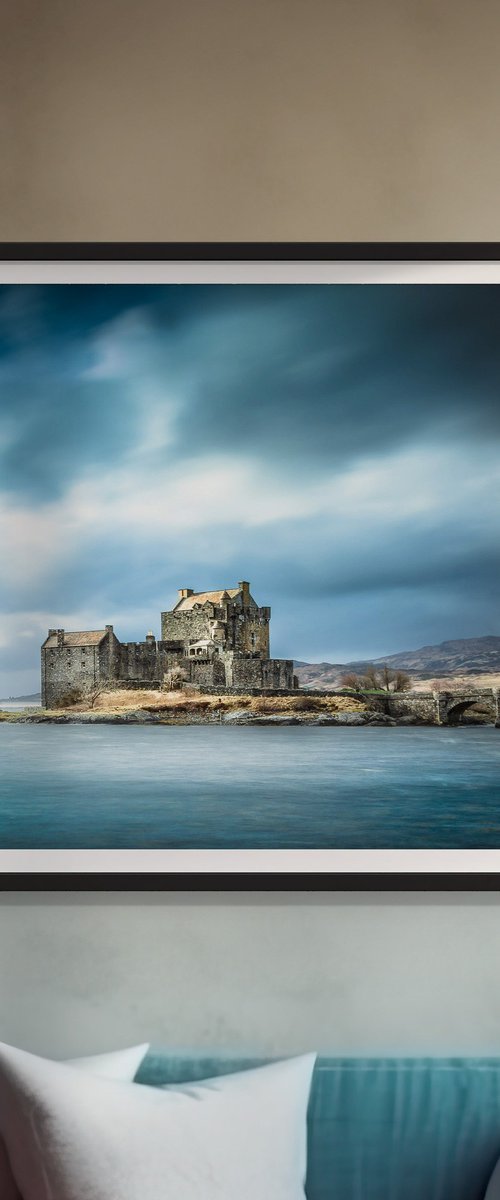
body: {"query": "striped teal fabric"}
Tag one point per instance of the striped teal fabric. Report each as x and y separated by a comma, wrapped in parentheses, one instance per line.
(383, 1129)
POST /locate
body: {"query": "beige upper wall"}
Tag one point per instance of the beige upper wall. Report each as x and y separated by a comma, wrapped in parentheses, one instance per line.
(229, 120)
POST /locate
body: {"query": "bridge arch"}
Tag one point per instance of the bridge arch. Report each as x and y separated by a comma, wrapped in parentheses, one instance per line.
(455, 711)
(452, 706)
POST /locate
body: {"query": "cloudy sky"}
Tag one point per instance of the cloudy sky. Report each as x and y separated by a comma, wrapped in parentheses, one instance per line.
(335, 445)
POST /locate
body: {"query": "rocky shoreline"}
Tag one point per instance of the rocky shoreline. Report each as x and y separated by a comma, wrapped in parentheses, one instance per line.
(238, 717)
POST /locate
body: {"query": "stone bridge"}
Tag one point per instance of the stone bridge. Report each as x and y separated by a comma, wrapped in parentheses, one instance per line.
(433, 708)
(445, 707)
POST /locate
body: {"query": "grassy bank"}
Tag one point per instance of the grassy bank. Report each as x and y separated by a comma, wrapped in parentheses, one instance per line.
(187, 704)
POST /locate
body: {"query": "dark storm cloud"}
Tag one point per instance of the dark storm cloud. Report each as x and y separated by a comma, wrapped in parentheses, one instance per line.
(62, 426)
(308, 377)
(342, 371)
(405, 555)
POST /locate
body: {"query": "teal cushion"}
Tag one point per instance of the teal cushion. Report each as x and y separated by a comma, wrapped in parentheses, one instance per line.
(383, 1129)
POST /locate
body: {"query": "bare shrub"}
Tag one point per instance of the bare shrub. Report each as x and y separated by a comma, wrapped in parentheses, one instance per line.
(352, 681)
(174, 679)
(90, 695)
(399, 681)
(374, 680)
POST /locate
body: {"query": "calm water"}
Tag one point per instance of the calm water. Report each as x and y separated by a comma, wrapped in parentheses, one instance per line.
(199, 786)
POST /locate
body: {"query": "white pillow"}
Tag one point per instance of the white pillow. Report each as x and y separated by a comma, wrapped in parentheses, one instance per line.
(70, 1136)
(493, 1189)
(118, 1064)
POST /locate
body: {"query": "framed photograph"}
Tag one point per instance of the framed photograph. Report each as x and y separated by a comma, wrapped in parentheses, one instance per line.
(249, 610)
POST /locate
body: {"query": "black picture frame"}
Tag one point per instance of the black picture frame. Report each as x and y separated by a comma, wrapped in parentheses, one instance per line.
(418, 882)
(243, 881)
(249, 251)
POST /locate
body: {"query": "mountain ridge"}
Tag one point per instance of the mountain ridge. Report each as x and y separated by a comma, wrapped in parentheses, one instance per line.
(457, 656)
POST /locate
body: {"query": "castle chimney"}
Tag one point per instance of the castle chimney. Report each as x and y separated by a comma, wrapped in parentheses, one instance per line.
(60, 637)
(52, 632)
(108, 628)
(245, 588)
(185, 592)
(150, 638)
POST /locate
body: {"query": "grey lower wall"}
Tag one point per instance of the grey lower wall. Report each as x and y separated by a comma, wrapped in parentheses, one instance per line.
(352, 974)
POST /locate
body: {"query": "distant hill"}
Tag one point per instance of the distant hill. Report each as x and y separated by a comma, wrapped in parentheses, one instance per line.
(34, 698)
(464, 656)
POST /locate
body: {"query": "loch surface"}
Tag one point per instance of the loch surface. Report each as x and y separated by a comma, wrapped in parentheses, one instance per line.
(65, 787)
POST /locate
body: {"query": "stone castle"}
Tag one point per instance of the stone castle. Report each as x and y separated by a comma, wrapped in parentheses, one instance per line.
(210, 639)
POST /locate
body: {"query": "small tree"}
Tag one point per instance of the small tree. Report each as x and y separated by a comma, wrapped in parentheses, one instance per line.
(174, 679)
(352, 681)
(395, 681)
(90, 695)
(371, 680)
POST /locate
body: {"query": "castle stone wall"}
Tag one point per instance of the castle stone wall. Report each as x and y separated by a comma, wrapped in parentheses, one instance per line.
(278, 673)
(208, 672)
(109, 653)
(139, 660)
(251, 672)
(249, 630)
(67, 671)
(246, 672)
(234, 633)
(186, 626)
